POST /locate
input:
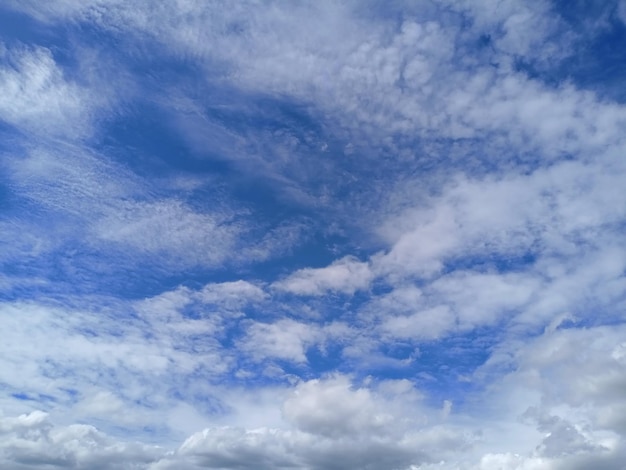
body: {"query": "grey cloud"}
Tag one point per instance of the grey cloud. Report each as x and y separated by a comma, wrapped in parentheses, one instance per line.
(335, 426)
(31, 441)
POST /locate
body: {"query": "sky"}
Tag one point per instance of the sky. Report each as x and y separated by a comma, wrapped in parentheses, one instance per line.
(313, 235)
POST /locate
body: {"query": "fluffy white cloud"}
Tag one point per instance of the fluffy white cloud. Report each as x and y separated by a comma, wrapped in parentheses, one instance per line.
(32, 441)
(368, 426)
(290, 340)
(381, 78)
(426, 324)
(335, 425)
(346, 275)
(331, 408)
(285, 339)
(232, 294)
(547, 211)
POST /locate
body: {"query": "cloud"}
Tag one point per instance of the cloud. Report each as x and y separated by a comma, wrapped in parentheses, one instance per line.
(476, 182)
(32, 441)
(285, 339)
(95, 363)
(232, 294)
(505, 216)
(428, 324)
(563, 393)
(346, 275)
(373, 66)
(170, 229)
(289, 340)
(389, 81)
(38, 99)
(330, 408)
(335, 422)
(336, 434)
(383, 79)
(113, 210)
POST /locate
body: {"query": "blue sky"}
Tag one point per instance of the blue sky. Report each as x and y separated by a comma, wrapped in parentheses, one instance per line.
(312, 235)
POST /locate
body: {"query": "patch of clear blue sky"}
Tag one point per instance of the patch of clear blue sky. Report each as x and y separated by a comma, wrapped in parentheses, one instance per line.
(15, 26)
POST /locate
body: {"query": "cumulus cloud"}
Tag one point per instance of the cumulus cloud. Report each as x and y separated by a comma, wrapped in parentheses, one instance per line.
(568, 420)
(285, 339)
(557, 390)
(428, 324)
(32, 441)
(346, 275)
(335, 425)
(330, 408)
(357, 426)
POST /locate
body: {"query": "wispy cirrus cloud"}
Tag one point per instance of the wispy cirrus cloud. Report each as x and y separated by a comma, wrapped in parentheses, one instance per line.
(37, 98)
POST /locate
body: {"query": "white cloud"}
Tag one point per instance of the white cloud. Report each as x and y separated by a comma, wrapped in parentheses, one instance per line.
(285, 339)
(563, 392)
(483, 298)
(386, 80)
(428, 324)
(335, 435)
(346, 275)
(37, 98)
(525, 232)
(232, 294)
(110, 208)
(31, 441)
(90, 364)
(381, 78)
(172, 230)
(332, 429)
(336, 423)
(548, 211)
(333, 409)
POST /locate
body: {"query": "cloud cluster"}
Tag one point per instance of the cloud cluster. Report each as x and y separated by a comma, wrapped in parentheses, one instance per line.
(312, 236)
(332, 424)
(32, 441)
(565, 420)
